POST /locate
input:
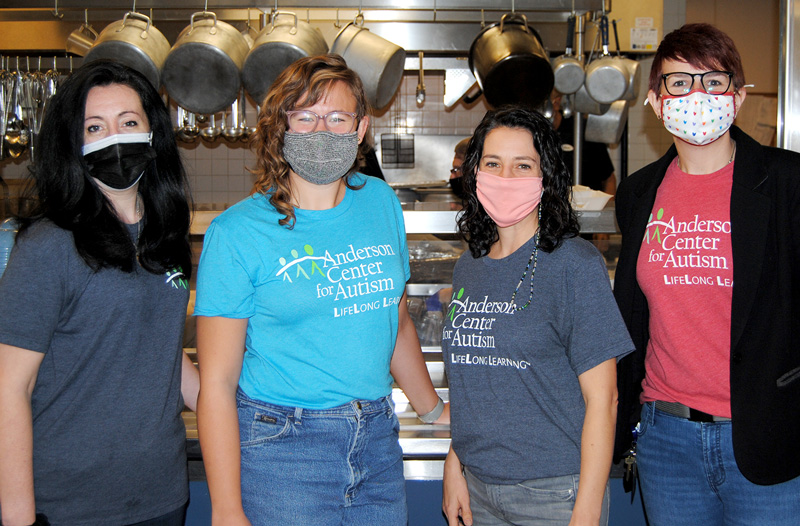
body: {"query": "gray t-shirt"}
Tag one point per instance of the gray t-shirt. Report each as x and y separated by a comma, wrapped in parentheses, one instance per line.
(517, 410)
(109, 441)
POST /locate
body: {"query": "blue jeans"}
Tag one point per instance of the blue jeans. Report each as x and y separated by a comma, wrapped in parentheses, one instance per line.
(689, 477)
(332, 466)
(536, 502)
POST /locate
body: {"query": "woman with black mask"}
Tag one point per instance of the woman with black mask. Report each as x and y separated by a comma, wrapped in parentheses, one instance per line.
(93, 378)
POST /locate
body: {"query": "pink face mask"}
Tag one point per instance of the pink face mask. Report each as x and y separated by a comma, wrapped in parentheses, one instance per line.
(508, 200)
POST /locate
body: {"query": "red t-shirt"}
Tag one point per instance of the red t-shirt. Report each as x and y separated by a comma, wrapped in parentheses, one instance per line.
(685, 269)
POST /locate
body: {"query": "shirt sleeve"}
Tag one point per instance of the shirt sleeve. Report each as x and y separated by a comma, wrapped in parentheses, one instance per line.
(34, 289)
(224, 285)
(598, 332)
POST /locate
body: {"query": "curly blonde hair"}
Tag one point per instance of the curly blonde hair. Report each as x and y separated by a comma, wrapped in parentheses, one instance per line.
(305, 81)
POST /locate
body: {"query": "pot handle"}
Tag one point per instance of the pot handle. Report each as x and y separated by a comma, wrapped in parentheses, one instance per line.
(604, 33)
(90, 29)
(570, 35)
(205, 14)
(518, 16)
(276, 14)
(134, 14)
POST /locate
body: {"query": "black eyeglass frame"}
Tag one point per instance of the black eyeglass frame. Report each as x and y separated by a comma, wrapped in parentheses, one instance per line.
(323, 118)
(702, 76)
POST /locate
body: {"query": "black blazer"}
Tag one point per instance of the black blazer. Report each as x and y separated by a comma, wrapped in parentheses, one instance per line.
(765, 310)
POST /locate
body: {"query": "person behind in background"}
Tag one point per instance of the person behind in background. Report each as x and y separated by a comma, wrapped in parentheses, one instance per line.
(303, 322)
(597, 170)
(707, 282)
(530, 340)
(456, 181)
(93, 311)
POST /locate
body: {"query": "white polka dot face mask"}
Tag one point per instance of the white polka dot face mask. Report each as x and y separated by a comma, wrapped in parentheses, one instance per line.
(698, 117)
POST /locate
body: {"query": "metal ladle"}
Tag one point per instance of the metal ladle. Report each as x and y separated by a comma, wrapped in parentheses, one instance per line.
(234, 131)
(210, 132)
(421, 84)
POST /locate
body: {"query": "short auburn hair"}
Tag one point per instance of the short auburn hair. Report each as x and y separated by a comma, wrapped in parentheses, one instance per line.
(702, 46)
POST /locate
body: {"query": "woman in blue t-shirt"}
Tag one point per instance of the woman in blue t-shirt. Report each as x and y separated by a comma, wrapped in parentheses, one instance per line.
(530, 340)
(303, 322)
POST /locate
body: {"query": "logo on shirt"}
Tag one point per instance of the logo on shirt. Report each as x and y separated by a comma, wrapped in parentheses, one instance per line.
(351, 276)
(686, 244)
(176, 278)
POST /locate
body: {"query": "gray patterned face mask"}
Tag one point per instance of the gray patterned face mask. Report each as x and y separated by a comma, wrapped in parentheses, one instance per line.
(321, 157)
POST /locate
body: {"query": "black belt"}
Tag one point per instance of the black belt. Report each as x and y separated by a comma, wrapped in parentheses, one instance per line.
(682, 411)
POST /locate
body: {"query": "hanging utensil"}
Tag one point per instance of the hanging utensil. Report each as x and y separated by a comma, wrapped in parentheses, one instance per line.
(606, 76)
(247, 131)
(81, 40)
(421, 84)
(232, 131)
(17, 136)
(568, 70)
(210, 132)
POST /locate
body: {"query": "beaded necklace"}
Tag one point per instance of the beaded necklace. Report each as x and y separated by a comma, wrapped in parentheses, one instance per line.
(533, 259)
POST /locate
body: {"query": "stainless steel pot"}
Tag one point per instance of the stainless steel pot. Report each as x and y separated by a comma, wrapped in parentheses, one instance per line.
(202, 71)
(279, 44)
(608, 127)
(510, 64)
(568, 70)
(377, 61)
(135, 42)
(606, 76)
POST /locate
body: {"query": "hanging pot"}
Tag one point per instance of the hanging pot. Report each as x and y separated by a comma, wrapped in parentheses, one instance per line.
(510, 64)
(80, 41)
(606, 76)
(279, 44)
(377, 61)
(586, 104)
(202, 71)
(135, 42)
(568, 70)
(608, 127)
(632, 68)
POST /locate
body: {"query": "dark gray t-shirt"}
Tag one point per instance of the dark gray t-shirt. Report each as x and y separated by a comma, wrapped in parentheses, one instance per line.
(517, 410)
(109, 441)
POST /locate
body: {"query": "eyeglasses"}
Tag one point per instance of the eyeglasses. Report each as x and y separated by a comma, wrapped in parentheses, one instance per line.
(713, 82)
(305, 121)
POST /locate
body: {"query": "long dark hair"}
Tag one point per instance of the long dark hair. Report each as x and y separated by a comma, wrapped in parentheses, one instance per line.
(70, 199)
(558, 218)
(306, 82)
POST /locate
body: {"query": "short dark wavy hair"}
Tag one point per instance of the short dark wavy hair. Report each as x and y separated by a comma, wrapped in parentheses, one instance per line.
(701, 45)
(559, 220)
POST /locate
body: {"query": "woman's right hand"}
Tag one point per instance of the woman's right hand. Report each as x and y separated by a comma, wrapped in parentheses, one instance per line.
(455, 499)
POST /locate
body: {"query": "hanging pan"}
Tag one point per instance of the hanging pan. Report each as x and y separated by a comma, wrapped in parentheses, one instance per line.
(202, 71)
(510, 64)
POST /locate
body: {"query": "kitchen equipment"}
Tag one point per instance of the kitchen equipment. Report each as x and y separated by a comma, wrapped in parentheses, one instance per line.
(202, 71)
(510, 64)
(421, 83)
(8, 233)
(210, 132)
(377, 61)
(606, 76)
(80, 41)
(135, 42)
(608, 127)
(232, 131)
(568, 73)
(283, 41)
(584, 103)
(249, 32)
(632, 67)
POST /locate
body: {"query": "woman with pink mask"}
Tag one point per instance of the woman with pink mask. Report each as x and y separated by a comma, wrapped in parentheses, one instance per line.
(530, 341)
(708, 282)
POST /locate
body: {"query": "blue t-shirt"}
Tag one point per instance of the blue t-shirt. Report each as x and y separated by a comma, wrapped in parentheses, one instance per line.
(321, 298)
(516, 405)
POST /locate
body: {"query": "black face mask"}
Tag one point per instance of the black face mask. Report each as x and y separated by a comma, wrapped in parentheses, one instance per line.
(457, 185)
(120, 165)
